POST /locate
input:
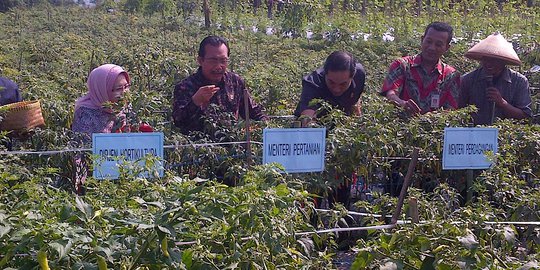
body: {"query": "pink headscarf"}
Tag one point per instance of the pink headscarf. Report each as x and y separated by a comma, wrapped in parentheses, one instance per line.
(100, 84)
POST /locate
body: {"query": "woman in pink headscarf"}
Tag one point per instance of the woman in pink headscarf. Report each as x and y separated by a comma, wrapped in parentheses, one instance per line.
(93, 114)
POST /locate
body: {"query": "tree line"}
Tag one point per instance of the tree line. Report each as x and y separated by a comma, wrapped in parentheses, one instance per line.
(270, 6)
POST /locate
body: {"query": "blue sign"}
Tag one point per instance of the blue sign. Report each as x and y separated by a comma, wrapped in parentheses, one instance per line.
(466, 148)
(297, 149)
(126, 149)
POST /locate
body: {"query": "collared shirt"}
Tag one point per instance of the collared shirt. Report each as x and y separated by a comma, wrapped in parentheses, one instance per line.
(9, 92)
(410, 80)
(513, 86)
(229, 98)
(314, 87)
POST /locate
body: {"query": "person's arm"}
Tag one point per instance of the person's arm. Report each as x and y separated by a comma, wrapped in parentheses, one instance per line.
(510, 111)
(394, 81)
(186, 114)
(464, 98)
(408, 105)
(309, 91)
(357, 108)
(451, 87)
(392, 96)
(256, 111)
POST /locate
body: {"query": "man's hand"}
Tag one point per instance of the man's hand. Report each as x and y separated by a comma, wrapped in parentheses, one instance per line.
(357, 109)
(307, 117)
(411, 107)
(202, 97)
(494, 95)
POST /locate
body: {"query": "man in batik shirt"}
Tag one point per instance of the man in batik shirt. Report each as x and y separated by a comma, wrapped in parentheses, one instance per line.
(211, 84)
(423, 83)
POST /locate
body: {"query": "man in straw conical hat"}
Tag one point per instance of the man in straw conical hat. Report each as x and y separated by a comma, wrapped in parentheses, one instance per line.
(495, 89)
(423, 83)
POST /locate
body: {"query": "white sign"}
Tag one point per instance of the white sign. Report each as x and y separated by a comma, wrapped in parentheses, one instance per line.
(114, 149)
(465, 148)
(297, 149)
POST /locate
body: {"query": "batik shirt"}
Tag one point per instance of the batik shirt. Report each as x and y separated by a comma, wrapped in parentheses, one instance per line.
(229, 98)
(513, 86)
(85, 122)
(88, 121)
(410, 80)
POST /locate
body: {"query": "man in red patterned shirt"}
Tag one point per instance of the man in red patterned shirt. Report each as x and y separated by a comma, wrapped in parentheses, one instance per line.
(423, 83)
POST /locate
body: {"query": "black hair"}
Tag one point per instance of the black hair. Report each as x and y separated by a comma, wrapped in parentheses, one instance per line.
(340, 61)
(441, 27)
(213, 41)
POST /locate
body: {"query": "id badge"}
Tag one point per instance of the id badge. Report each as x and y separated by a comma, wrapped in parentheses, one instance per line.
(435, 101)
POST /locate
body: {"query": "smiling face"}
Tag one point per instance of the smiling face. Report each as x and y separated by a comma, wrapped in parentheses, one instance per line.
(120, 86)
(338, 81)
(434, 45)
(493, 66)
(214, 62)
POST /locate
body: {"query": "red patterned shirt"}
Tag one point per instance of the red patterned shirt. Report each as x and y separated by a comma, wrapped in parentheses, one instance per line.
(411, 81)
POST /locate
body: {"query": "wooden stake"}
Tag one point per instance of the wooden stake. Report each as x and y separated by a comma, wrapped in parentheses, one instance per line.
(413, 209)
(248, 134)
(406, 183)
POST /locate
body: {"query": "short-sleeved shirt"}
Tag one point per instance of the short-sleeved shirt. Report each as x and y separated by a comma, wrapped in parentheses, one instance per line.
(229, 98)
(314, 87)
(9, 92)
(410, 80)
(513, 86)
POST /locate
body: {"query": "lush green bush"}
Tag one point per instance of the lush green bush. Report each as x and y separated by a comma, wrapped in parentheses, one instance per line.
(135, 223)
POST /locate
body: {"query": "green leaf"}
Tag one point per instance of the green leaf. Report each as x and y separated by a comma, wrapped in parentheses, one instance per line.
(469, 241)
(187, 258)
(362, 261)
(427, 263)
(4, 230)
(61, 248)
(282, 190)
(529, 265)
(85, 208)
(164, 229)
(509, 234)
(389, 266)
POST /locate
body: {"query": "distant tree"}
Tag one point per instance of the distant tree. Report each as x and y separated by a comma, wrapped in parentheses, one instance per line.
(187, 7)
(256, 5)
(206, 11)
(270, 6)
(132, 6)
(153, 6)
(6, 5)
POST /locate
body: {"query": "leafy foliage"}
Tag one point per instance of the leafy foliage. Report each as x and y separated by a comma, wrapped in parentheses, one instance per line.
(184, 222)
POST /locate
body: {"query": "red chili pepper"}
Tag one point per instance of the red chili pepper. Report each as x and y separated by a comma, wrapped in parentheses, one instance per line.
(145, 128)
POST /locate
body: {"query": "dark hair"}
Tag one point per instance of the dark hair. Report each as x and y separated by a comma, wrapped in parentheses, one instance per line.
(441, 27)
(340, 61)
(212, 41)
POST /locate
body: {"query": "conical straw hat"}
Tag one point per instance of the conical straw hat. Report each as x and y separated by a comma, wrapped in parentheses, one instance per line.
(494, 46)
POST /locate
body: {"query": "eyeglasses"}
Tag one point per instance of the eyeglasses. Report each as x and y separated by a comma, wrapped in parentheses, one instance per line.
(122, 87)
(215, 61)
